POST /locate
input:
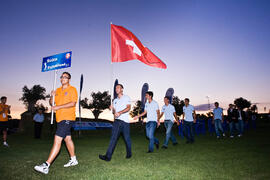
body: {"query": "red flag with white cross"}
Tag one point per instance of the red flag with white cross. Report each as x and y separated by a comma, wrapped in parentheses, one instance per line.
(125, 46)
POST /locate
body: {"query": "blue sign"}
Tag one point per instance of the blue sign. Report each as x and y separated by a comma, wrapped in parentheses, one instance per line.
(57, 61)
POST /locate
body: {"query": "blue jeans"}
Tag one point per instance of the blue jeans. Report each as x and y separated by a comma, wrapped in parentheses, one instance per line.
(241, 126)
(188, 131)
(232, 126)
(118, 128)
(218, 126)
(169, 134)
(150, 131)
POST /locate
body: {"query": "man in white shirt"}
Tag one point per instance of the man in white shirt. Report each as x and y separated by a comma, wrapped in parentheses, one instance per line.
(153, 114)
(189, 117)
(170, 115)
(38, 119)
(120, 108)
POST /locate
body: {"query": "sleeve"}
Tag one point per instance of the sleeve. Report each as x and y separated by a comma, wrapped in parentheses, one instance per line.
(162, 109)
(157, 107)
(193, 109)
(74, 95)
(35, 117)
(128, 100)
(173, 109)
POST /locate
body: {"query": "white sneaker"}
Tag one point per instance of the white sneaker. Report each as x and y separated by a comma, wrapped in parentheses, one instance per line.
(223, 134)
(231, 136)
(6, 144)
(239, 135)
(43, 168)
(71, 163)
(217, 137)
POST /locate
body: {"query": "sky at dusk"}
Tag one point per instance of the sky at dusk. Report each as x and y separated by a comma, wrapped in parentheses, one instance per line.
(215, 48)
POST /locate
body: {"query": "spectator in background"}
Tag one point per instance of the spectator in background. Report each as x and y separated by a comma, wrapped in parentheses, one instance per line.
(218, 119)
(232, 119)
(241, 115)
(253, 120)
(4, 111)
(38, 120)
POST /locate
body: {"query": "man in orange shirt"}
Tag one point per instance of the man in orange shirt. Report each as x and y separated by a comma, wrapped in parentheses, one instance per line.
(65, 102)
(4, 111)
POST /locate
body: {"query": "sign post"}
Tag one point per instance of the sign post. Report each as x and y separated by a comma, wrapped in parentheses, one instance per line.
(53, 63)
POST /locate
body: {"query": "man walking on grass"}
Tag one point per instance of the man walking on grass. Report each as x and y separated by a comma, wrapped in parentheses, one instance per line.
(153, 114)
(65, 101)
(170, 115)
(218, 119)
(120, 108)
(189, 117)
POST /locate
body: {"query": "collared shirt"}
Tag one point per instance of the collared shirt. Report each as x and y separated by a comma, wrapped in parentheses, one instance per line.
(120, 104)
(218, 113)
(39, 118)
(188, 110)
(64, 96)
(151, 109)
(168, 112)
(4, 115)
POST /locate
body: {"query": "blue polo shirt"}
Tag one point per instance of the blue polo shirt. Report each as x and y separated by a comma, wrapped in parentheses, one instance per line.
(218, 113)
(39, 118)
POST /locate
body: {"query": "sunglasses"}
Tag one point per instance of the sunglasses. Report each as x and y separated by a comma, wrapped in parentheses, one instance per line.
(64, 77)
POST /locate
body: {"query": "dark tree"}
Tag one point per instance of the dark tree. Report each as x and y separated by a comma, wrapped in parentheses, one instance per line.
(178, 105)
(136, 109)
(30, 97)
(98, 103)
(242, 103)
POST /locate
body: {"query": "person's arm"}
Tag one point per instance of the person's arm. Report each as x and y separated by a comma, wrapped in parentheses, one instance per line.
(51, 98)
(183, 116)
(194, 116)
(176, 118)
(117, 114)
(161, 115)
(64, 106)
(158, 115)
(140, 115)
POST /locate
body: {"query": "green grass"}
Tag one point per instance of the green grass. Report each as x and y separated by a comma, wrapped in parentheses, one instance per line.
(240, 158)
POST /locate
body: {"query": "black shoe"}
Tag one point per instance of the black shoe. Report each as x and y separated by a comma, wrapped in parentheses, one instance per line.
(187, 142)
(157, 146)
(164, 147)
(175, 144)
(103, 157)
(191, 142)
(128, 156)
(149, 151)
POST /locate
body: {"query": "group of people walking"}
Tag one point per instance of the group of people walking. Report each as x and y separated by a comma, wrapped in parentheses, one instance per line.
(235, 118)
(65, 102)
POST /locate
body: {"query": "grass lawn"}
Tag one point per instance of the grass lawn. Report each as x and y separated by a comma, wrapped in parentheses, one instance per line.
(208, 158)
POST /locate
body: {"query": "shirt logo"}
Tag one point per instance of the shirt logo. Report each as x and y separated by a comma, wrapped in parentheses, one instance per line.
(66, 93)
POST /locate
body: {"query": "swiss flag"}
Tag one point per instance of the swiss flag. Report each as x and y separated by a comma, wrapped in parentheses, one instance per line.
(125, 46)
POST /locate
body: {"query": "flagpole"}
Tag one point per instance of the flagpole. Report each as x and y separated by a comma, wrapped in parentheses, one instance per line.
(55, 74)
(111, 83)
